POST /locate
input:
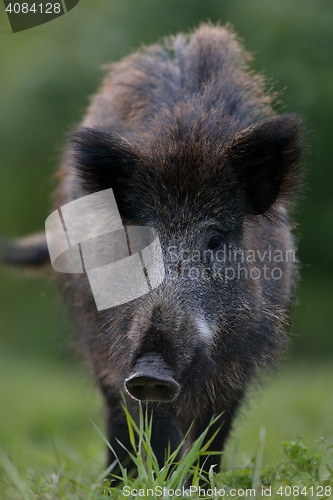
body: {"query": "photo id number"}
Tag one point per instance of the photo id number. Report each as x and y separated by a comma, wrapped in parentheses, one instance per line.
(35, 8)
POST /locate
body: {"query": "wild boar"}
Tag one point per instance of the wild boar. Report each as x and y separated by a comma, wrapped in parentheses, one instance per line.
(185, 135)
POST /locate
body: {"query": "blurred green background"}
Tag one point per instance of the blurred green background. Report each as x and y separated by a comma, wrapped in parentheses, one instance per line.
(46, 77)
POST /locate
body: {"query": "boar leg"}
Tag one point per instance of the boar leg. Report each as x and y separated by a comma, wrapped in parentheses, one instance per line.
(117, 430)
(222, 429)
(165, 432)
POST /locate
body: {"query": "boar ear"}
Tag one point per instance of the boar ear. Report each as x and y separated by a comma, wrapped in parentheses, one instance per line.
(102, 160)
(265, 161)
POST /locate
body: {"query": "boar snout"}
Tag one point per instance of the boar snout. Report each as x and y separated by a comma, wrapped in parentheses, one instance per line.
(152, 380)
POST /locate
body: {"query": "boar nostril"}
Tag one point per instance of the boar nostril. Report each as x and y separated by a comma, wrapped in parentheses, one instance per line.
(148, 388)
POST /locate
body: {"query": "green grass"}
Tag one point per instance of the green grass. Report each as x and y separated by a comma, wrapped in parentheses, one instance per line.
(51, 450)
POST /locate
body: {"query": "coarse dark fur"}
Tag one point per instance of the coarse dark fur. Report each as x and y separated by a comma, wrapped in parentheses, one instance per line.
(185, 135)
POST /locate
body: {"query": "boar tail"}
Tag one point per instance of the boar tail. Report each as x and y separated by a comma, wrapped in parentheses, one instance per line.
(30, 251)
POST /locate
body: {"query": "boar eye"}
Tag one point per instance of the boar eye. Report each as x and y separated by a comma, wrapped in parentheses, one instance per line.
(215, 242)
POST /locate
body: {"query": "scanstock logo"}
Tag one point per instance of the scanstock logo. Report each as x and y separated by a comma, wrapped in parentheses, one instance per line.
(122, 263)
(27, 14)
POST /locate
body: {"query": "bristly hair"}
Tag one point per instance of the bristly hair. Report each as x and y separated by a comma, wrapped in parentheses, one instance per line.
(265, 159)
(196, 90)
(102, 159)
(260, 167)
